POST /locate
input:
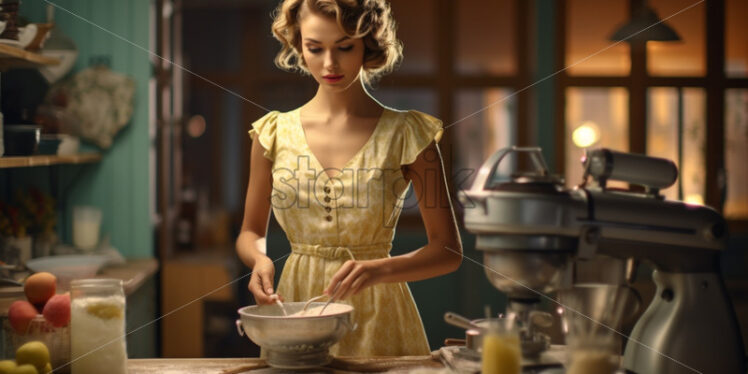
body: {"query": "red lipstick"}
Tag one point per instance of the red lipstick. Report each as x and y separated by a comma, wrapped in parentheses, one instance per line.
(332, 78)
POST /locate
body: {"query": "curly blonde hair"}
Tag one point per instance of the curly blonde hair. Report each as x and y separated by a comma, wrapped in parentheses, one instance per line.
(368, 19)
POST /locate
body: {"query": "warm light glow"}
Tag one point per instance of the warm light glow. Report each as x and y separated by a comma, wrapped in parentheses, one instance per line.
(587, 134)
(694, 199)
(656, 46)
(196, 126)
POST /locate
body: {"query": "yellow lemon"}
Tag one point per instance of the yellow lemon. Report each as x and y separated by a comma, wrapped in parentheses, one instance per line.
(6, 366)
(24, 369)
(105, 310)
(34, 353)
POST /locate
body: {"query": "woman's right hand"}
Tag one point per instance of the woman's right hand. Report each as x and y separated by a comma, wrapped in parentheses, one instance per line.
(261, 281)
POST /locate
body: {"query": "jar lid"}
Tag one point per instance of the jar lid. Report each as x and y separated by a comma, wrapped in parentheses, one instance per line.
(96, 282)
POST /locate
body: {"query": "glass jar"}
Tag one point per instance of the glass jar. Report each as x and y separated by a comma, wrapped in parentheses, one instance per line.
(501, 353)
(97, 326)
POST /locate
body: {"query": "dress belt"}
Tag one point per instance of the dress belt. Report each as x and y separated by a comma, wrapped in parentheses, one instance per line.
(360, 252)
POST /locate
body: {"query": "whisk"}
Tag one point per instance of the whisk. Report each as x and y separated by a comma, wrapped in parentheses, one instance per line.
(332, 297)
(279, 303)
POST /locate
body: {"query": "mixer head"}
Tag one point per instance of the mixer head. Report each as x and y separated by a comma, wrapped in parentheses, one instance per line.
(530, 226)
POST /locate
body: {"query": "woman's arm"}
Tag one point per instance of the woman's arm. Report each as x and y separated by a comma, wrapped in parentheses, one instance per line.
(442, 254)
(250, 245)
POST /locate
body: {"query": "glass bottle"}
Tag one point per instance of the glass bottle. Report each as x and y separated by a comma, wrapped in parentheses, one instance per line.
(97, 327)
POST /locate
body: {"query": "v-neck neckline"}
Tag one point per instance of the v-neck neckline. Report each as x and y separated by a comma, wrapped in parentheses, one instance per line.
(355, 156)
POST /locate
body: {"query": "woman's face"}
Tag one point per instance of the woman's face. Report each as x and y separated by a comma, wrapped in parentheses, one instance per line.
(333, 59)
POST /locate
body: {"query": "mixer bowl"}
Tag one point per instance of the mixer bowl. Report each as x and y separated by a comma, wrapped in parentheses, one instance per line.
(294, 342)
(598, 306)
(521, 274)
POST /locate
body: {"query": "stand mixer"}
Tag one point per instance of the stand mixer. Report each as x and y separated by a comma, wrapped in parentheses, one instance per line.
(532, 229)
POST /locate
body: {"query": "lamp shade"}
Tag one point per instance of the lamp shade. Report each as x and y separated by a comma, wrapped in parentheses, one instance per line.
(644, 26)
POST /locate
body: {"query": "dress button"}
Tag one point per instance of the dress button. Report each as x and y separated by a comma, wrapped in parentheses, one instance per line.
(327, 189)
(328, 218)
(327, 199)
(328, 209)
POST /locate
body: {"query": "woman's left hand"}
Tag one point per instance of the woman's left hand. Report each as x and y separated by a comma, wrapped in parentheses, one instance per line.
(353, 277)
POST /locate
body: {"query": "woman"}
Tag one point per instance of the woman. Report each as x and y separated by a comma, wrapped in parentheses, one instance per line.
(336, 171)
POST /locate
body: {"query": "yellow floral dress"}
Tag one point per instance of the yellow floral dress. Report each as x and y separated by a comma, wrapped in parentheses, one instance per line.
(356, 209)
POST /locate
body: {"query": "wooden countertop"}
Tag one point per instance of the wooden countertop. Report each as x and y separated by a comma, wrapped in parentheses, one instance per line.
(257, 366)
(133, 273)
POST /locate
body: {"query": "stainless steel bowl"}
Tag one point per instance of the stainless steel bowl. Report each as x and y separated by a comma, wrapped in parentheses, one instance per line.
(521, 274)
(295, 342)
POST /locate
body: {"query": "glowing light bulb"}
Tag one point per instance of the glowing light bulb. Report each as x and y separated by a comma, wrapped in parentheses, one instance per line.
(196, 126)
(586, 135)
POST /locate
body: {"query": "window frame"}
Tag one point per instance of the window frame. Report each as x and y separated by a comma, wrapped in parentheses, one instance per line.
(447, 82)
(715, 83)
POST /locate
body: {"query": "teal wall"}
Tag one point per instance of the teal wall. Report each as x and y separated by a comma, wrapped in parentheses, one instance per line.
(119, 184)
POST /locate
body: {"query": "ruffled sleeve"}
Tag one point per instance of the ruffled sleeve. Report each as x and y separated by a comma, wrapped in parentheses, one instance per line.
(419, 130)
(264, 130)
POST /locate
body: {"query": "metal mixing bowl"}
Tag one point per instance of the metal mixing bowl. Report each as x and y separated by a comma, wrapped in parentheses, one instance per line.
(294, 342)
(520, 274)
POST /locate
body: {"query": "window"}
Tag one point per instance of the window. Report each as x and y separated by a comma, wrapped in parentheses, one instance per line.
(686, 57)
(485, 37)
(595, 117)
(487, 124)
(676, 130)
(736, 153)
(457, 78)
(417, 37)
(667, 93)
(736, 49)
(588, 50)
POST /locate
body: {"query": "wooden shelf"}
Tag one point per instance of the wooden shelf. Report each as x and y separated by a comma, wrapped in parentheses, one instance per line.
(46, 160)
(14, 57)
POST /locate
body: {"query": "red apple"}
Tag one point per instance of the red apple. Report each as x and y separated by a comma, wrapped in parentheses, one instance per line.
(20, 314)
(57, 310)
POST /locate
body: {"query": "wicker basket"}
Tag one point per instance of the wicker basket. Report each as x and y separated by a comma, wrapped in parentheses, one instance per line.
(57, 340)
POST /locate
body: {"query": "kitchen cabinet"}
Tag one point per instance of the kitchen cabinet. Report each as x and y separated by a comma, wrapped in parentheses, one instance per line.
(193, 282)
